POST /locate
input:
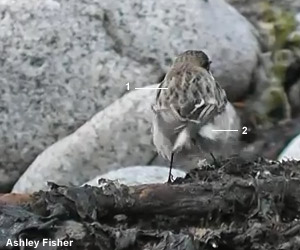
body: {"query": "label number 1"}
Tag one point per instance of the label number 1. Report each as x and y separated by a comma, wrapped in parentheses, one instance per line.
(127, 84)
(244, 130)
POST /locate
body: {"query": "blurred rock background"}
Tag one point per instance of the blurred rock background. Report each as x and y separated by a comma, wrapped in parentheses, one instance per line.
(65, 112)
(278, 25)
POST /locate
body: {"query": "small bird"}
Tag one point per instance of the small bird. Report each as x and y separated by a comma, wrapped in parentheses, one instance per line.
(190, 110)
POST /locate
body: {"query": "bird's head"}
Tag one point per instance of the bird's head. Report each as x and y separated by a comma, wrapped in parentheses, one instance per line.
(196, 57)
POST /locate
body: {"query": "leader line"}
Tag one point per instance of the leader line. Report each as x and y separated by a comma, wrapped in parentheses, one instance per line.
(225, 130)
(150, 88)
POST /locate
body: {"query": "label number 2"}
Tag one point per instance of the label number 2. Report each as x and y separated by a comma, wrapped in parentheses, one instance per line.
(244, 130)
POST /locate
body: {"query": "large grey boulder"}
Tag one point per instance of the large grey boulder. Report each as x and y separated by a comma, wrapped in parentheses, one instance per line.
(58, 69)
(63, 61)
(116, 137)
(158, 30)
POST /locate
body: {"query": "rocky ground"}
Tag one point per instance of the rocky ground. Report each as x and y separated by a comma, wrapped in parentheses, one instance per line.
(235, 204)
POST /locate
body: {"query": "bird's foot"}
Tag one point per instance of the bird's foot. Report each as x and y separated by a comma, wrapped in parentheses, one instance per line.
(170, 179)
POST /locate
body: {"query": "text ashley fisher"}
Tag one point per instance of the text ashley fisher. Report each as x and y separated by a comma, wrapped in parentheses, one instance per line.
(36, 243)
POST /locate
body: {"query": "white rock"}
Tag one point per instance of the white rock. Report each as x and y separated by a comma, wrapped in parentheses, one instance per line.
(138, 175)
(291, 151)
(116, 137)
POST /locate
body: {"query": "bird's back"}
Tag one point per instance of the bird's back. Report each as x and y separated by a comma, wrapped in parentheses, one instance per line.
(188, 85)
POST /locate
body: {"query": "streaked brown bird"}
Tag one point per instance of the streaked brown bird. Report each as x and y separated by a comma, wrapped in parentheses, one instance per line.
(191, 111)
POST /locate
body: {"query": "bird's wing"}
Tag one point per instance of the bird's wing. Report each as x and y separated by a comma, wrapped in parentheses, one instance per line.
(193, 96)
(207, 104)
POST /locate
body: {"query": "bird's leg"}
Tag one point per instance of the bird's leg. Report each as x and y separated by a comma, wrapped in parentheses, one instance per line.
(216, 163)
(170, 169)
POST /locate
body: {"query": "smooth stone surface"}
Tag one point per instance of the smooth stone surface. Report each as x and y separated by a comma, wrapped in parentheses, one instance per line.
(139, 175)
(64, 61)
(159, 30)
(116, 137)
(291, 151)
(58, 68)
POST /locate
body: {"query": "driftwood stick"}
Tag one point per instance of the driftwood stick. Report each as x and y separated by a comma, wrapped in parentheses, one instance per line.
(199, 198)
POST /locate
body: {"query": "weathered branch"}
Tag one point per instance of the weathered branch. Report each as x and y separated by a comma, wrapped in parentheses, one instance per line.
(202, 198)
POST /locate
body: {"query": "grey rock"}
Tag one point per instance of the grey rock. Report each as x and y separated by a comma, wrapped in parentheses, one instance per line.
(294, 97)
(170, 27)
(57, 70)
(138, 175)
(63, 61)
(297, 17)
(116, 137)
